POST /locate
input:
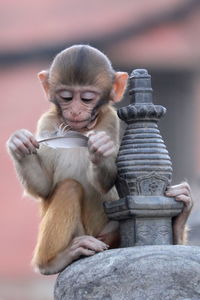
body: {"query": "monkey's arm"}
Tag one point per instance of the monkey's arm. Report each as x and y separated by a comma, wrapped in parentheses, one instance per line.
(181, 192)
(102, 169)
(30, 170)
(103, 147)
(103, 175)
(34, 176)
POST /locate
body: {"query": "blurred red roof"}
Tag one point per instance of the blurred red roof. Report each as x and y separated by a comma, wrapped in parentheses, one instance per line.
(169, 37)
(30, 23)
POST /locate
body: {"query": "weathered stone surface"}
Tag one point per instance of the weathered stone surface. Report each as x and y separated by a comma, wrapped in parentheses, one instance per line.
(147, 272)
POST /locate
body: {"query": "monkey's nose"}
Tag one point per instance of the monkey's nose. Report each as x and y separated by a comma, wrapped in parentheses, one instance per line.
(75, 113)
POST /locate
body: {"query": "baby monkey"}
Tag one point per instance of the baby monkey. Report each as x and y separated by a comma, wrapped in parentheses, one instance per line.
(71, 184)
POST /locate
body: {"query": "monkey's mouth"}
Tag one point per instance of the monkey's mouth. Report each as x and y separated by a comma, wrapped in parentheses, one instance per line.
(78, 121)
(78, 124)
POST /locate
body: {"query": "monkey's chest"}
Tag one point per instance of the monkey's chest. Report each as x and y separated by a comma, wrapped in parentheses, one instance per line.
(71, 163)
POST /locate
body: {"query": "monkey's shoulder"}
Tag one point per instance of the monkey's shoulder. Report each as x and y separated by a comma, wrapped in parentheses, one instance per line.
(109, 121)
(107, 116)
(49, 121)
(108, 112)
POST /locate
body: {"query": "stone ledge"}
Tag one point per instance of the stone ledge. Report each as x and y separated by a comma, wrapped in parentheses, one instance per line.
(147, 272)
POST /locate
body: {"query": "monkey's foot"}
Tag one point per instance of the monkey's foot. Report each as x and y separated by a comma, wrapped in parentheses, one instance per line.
(86, 245)
(80, 246)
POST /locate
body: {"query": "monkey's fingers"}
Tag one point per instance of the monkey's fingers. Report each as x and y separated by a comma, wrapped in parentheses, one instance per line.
(186, 200)
(88, 237)
(90, 133)
(101, 143)
(34, 142)
(90, 242)
(13, 148)
(184, 185)
(28, 139)
(82, 251)
(110, 151)
(18, 147)
(90, 245)
(105, 148)
(98, 139)
(22, 139)
(28, 144)
(173, 192)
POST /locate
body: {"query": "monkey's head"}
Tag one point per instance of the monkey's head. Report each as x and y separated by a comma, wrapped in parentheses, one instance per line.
(80, 80)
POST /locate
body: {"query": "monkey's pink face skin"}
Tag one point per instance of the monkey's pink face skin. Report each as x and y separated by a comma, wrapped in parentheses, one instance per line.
(77, 105)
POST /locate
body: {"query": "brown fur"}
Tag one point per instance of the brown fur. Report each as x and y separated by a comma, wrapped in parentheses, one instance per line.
(61, 221)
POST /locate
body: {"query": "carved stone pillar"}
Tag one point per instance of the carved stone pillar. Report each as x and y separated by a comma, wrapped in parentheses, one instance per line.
(144, 172)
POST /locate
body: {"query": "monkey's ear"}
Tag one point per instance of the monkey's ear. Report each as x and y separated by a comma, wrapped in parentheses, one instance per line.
(43, 77)
(119, 86)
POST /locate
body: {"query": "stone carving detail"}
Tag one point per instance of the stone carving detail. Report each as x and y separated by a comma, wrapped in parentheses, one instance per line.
(151, 185)
(151, 235)
(153, 112)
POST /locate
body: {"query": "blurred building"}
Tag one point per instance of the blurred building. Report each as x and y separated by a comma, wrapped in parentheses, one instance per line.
(161, 36)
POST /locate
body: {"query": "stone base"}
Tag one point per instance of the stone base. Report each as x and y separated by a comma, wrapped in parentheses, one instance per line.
(142, 272)
(144, 220)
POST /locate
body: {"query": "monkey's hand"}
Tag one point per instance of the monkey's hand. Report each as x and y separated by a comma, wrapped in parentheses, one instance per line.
(100, 146)
(22, 143)
(181, 192)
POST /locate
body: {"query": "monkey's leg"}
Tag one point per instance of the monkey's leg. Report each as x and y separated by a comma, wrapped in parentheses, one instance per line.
(110, 234)
(60, 224)
(180, 234)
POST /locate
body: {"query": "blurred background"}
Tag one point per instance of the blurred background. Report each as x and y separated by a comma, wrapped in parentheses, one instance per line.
(161, 36)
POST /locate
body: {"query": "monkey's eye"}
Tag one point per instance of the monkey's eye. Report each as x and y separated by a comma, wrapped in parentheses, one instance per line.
(66, 95)
(88, 96)
(67, 98)
(86, 99)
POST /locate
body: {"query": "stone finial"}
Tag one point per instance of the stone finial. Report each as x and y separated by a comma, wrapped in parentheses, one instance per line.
(144, 171)
(140, 87)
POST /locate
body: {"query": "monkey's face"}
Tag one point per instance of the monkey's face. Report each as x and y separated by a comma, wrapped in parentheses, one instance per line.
(77, 105)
